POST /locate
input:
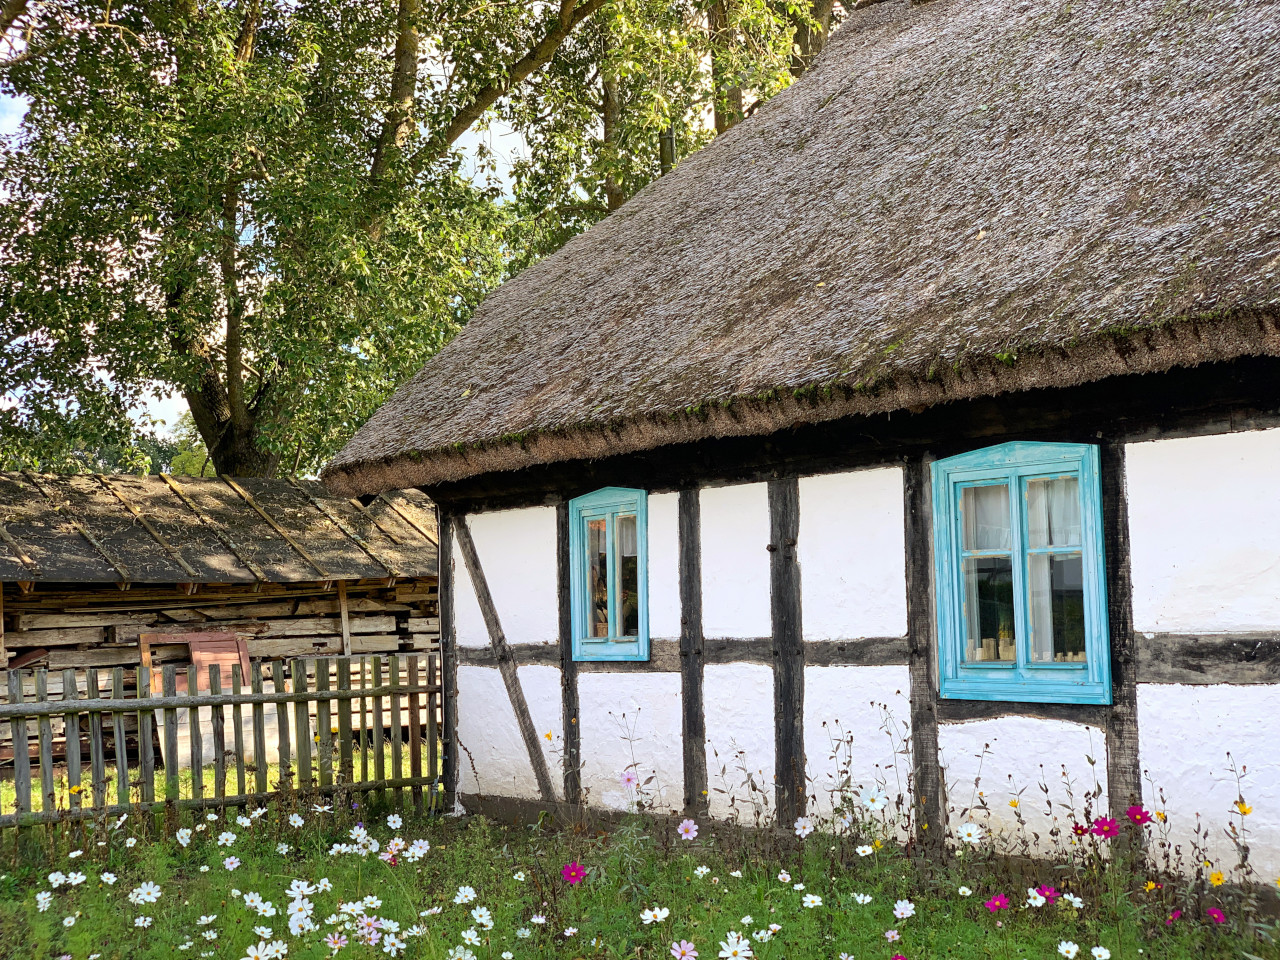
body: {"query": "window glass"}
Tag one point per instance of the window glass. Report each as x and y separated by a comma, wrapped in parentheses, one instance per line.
(608, 588)
(628, 577)
(598, 578)
(986, 517)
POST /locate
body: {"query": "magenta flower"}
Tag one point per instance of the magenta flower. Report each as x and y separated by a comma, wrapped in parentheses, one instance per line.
(1216, 915)
(572, 872)
(1172, 917)
(683, 950)
(1048, 892)
(1080, 829)
(687, 829)
(897, 956)
(1138, 815)
(1106, 828)
(998, 902)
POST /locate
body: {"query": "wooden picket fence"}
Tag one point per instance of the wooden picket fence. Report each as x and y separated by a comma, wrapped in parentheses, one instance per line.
(325, 726)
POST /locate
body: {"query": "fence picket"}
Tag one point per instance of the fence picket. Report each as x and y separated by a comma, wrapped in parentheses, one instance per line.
(237, 718)
(117, 734)
(415, 730)
(146, 748)
(344, 723)
(433, 723)
(48, 797)
(379, 760)
(324, 724)
(282, 725)
(302, 719)
(71, 734)
(397, 727)
(364, 721)
(219, 734)
(194, 737)
(97, 758)
(259, 731)
(21, 748)
(169, 681)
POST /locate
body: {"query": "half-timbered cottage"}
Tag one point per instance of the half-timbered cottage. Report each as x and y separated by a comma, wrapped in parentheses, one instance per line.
(920, 434)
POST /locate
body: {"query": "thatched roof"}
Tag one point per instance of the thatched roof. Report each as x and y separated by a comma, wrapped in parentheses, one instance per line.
(959, 199)
(136, 530)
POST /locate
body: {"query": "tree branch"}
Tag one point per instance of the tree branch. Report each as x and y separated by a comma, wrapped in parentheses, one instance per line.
(10, 11)
(404, 86)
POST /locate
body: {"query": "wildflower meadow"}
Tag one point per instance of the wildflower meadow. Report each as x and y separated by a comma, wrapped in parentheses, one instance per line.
(305, 878)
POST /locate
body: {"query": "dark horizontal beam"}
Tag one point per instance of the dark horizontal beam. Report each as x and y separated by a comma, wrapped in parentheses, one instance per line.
(1236, 658)
(959, 711)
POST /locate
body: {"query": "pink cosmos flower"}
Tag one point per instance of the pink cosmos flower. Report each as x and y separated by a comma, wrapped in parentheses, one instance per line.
(1216, 915)
(683, 950)
(892, 936)
(897, 956)
(1138, 815)
(1080, 829)
(573, 873)
(1172, 917)
(998, 902)
(628, 779)
(1048, 892)
(1106, 828)
(687, 829)
(335, 942)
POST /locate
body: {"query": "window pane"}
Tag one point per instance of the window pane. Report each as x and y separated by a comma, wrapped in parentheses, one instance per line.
(988, 607)
(986, 517)
(1053, 512)
(1057, 607)
(628, 577)
(597, 579)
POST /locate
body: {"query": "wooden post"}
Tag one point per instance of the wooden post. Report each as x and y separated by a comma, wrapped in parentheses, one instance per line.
(364, 721)
(117, 734)
(219, 734)
(21, 748)
(345, 614)
(195, 737)
(693, 720)
(97, 759)
(237, 718)
(448, 663)
(4, 652)
(433, 727)
(169, 681)
(146, 750)
(572, 772)
(48, 796)
(344, 723)
(788, 649)
(415, 732)
(397, 729)
(324, 723)
(259, 731)
(302, 719)
(282, 725)
(379, 762)
(71, 734)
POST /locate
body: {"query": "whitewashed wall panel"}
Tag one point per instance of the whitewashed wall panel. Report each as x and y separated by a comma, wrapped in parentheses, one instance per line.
(517, 549)
(853, 555)
(1184, 734)
(491, 739)
(856, 720)
(631, 720)
(1204, 526)
(735, 561)
(664, 565)
(1009, 758)
(738, 699)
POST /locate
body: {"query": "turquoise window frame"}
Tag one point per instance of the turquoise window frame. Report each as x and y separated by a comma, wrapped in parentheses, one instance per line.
(608, 504)
(1023, 680)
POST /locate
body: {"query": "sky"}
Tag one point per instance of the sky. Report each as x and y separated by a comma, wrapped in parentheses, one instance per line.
(505, 143)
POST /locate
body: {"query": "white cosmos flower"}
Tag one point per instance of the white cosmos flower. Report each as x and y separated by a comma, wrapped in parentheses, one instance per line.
(570, 931)
(903, 909)
(524, 933)
(483, 917)
(75, 879)
(43, 899)
(210, 935)
(734, 947)
(862, 898)
(965, 892)
(460, 953)
(701, 871)
(299, 889)
(784, 877)
(206, 920)
(471, 937)
(69, 921)
(1072, 899)
(183, 836)
(1101, 953)
(395, 821)
(282, 848)
(147, 892)
(874, 799)
(372, 902)
(244, 821)
(865, 850)
(736, 873)
(970, 833)
(108, 878)
(57, 879)
(74, 854)
(131, 842)
(231, 863)
(1068, 949)
(1034, 898)
(654, 915)
(538, 919)
(762, 936)
(295, 820)
(518, 876)
(142, 922)
(262, 932)
(391, 944)
(257, 951)
(226, 838)
(324, 885)
(797, 886)
(812, 900)
(804, 827)
(465, 895)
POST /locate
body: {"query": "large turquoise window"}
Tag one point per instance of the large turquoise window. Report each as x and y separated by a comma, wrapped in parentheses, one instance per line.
(1021, 575)
(608, 568)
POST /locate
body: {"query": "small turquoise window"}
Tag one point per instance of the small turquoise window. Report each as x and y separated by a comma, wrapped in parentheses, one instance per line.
(1021, 575)
(609, 575)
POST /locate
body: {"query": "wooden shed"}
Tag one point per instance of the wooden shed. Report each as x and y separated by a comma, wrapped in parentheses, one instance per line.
(104, 572)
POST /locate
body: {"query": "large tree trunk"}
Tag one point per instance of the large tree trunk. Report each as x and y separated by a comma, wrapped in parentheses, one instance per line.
(610, 113)
(728, 96)
(810, 40)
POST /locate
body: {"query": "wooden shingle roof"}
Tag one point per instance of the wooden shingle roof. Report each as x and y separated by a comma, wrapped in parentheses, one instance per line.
(162, 529)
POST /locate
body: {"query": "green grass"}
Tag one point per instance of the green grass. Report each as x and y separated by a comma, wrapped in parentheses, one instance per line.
(629, 866)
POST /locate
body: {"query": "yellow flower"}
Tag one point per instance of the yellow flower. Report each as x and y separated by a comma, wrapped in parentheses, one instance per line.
(1160, 816)
(877, 844)
(548, 736)
(75, 789)
(1244, 808)
(1151, 884)
(1014, 804)
(1216, 878)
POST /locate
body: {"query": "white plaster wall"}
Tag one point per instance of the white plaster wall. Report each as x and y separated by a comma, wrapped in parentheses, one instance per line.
(1009, 758)
(735, 561)
(853, 555)
(1204, 530)
(738, 700)
(1184, 735)
(856, 723)
(631, 721)
(487, 730)
(664, 565)
(517, 551)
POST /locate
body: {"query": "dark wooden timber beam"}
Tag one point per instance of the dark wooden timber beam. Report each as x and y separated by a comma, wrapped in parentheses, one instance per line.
(693, 723)
(788, 665)
(448, 660)
(505, 658)
(568, 666)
